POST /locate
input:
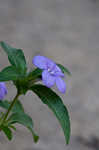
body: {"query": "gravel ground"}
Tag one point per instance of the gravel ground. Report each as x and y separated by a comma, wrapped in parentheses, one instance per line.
(67, 31)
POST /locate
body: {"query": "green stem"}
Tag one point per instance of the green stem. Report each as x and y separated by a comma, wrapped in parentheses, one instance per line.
(11, 106)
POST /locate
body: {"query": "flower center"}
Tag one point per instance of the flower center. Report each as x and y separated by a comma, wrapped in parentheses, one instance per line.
(50, 71)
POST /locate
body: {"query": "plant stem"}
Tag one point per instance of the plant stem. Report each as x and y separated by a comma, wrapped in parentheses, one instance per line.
(11, 106)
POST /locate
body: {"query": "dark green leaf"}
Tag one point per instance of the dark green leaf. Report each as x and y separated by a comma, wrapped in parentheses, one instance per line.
(64, 69)
(24, 120)
(4, 104)
(55, 103)
(13, 127)
(36, 73)
(35, 136)
(10, 73)
(16, 108)
(7, 132)
(16, 57)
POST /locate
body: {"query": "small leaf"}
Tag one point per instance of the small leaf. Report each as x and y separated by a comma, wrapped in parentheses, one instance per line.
(64, 69)
(16, 57)
(13, 127)
(35, 136)
(7, 132)
(55, 103)
(24, 120)
(36, 73)
(4, 104)
(16, 108)
(10, 73)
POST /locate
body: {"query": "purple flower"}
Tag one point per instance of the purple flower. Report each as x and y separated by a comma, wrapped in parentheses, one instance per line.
(51, 72)
(3, 90)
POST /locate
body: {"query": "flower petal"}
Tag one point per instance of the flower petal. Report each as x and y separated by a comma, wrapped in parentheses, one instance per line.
(3, 86)
(58, 71)
(50, 65)
(48, 79)
(3, 90)
(2, 94)
(40, 62)
(60, 85)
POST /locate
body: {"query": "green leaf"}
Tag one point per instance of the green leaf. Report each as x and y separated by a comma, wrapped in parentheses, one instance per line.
(16, 108)
(16, 57)
(7, 132)
(55, 103)
(35, 136)
(24, 120)
(13, 127)
(64, 69)
(4, 104)
(10, 73)
(36, 73)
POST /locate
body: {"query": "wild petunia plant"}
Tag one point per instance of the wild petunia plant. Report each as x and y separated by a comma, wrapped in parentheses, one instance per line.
(47, 71)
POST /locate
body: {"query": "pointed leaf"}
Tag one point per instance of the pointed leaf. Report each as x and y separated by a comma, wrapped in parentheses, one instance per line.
(36, 73)
(16, 57)
(7, 132)
(24, 120)
(64, 69)
(55, 103)
(13, 127)
(4, 104)
(10, 73)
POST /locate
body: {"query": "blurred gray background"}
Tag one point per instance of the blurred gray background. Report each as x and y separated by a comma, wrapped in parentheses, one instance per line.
(67, 31)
